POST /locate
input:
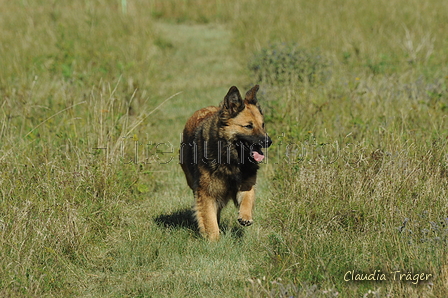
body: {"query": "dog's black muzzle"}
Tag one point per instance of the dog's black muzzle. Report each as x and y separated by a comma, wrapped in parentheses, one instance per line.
(254, 144)
(266, 142)
(263, 141)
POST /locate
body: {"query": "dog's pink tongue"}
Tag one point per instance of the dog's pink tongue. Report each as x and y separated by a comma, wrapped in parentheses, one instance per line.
(257, 156)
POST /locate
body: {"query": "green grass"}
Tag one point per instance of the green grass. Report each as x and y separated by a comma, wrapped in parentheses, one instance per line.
(93, 98)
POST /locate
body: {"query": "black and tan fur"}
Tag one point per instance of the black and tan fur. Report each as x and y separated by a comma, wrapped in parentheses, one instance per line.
(218, 152)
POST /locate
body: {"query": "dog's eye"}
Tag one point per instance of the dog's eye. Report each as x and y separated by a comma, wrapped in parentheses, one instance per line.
(263, 125)
(249, 126)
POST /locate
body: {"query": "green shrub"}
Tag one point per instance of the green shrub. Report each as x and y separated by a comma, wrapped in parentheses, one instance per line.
(285, 63)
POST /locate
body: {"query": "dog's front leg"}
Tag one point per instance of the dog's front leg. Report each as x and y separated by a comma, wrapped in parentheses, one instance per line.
(207, 215)
(246, 200)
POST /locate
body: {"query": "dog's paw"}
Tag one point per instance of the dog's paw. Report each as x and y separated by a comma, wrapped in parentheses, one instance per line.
(244, 222)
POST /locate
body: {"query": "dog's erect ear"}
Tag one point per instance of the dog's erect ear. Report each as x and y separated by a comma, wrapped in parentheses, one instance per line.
(233, 103)
(251, 95)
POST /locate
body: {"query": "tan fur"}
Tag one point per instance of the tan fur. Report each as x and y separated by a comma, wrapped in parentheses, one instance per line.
(217, 155)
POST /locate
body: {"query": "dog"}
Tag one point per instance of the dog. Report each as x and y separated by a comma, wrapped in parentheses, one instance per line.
(220, 154)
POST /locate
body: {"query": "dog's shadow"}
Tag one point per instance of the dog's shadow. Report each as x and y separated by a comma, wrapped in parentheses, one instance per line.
(185, 219)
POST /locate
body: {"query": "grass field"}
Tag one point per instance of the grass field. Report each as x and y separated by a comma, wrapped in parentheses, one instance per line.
(93, 98)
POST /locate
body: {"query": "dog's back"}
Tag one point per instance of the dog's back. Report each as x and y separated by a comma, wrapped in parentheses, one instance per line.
(188, 156)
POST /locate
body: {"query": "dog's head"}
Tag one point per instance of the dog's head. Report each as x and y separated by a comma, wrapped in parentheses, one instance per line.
(243, 122)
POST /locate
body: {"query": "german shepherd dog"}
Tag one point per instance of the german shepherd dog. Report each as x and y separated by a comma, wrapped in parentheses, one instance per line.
(219, 154)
